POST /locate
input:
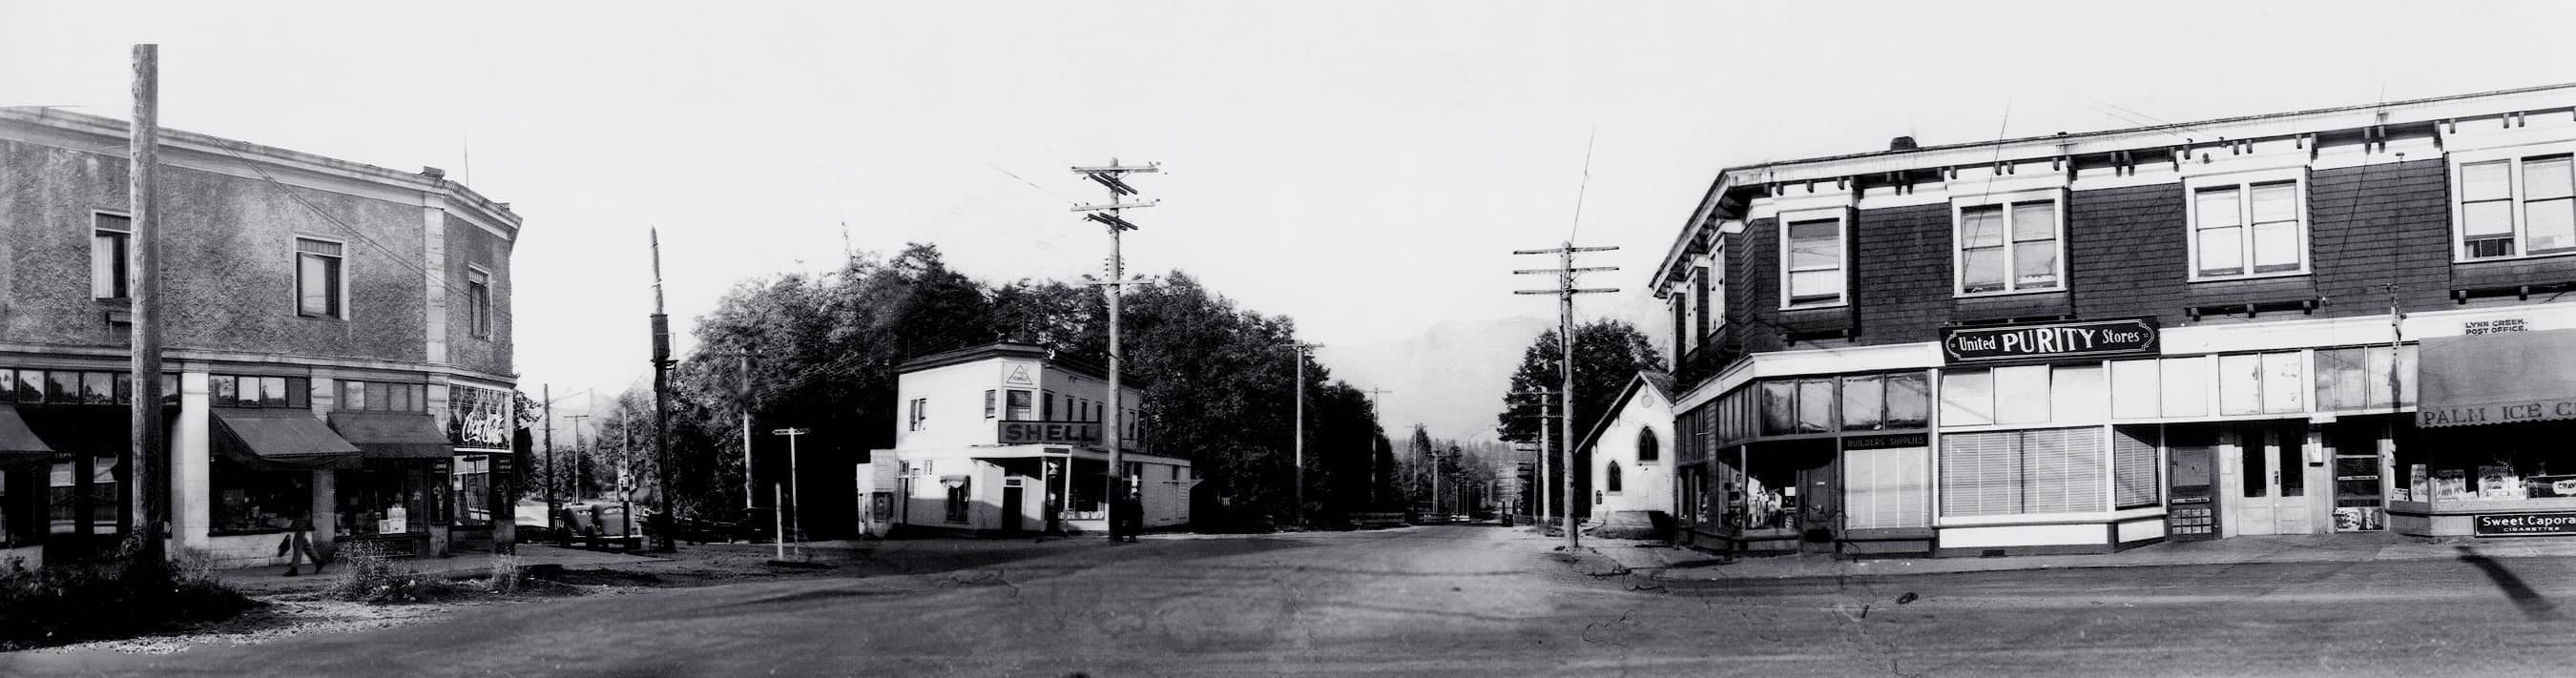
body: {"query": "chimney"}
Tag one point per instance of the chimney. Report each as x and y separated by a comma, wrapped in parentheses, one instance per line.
(433, 172)
(1901, 144)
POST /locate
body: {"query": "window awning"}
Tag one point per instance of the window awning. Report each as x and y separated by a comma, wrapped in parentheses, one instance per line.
(2499, 378)
(393, 435)
(17, 443)
(281, 439)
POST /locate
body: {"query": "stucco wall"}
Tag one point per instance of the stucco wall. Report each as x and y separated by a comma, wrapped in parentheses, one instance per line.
(228, 253)
(469, 245)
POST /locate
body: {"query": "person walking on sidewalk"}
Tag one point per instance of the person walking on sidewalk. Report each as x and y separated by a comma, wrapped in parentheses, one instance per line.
(298, 544)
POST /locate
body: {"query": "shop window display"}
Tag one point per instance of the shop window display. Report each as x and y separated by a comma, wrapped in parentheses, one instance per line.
(379, 502)
(244, 500)
(2510, 463)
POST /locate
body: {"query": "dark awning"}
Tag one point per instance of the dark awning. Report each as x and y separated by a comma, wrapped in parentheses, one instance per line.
(16, 442)
(2497, 378)
(281, 439)
(393, 435)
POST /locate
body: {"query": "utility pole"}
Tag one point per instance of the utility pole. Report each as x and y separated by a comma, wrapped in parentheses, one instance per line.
(743, 377)
(1373, 503)
(1565, 291)
(553, 506)
(581, 451)
(1112, 177)
(1302, 348)
(662, 541)
(149, 458)
(794, 504)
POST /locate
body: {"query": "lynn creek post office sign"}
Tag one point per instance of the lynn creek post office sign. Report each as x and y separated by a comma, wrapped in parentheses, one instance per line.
(2040, 341)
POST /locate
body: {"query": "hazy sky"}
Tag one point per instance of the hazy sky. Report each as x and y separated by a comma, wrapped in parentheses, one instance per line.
(1363, 167)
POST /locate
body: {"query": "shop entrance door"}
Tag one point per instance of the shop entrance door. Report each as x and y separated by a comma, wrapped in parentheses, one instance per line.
(1820, 494)
(2358, 469)
(1011, 506)
(2269, 494)
(2191, 455)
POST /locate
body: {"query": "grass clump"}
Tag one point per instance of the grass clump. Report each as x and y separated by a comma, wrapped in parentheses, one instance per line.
(116, 596)
(368, 575)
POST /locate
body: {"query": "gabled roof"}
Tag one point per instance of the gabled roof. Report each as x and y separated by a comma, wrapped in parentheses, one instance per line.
(1658, 380)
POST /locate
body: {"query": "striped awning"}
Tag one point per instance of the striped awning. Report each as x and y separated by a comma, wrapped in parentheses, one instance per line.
(2497, 378)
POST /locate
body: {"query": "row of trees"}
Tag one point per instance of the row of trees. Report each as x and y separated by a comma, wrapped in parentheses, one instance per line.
(1607, 354)
(822, 352)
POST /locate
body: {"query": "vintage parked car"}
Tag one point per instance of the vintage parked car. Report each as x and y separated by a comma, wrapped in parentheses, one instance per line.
(598, 525)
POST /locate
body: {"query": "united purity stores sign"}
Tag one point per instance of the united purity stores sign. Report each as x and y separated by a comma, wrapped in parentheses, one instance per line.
(2049, 340)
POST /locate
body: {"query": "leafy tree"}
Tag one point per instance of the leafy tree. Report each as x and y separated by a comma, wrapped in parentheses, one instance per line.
(1607, 354)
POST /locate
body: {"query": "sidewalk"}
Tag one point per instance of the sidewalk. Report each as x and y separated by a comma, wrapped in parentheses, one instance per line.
(269, 579)
(1662, 561)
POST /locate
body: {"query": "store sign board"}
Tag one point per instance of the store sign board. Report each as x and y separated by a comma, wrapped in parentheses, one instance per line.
(2492, 525)
(1889, 441)
(1048, 432)
(2497, 413)
(2040, 341)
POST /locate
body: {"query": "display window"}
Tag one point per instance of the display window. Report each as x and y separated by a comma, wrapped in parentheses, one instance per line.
(2504, 463)
(379, 500)
(244, 500)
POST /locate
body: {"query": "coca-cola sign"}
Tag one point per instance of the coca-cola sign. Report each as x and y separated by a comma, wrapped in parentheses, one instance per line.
(2041, 341)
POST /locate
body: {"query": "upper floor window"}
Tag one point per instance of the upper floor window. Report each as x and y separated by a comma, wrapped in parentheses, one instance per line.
(1020, 409)
(1648, 448)
(2247, 229)
(988, 403)
(920, 409)
(1813, 265)
(228, 390)
(110, 235)
(377, 396)
(2010, 246)
(2514, 207)
(478, 301)
(318, 278)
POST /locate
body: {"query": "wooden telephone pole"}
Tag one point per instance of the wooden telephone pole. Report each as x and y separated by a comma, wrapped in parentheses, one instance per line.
(150, 477)
(1112, 177)
(1565, 291)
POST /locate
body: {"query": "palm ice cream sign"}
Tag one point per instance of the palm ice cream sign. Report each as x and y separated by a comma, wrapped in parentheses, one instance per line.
(2041, 341)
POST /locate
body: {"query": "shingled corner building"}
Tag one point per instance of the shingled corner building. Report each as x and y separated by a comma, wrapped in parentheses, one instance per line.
(338, 341)
(2298, 323)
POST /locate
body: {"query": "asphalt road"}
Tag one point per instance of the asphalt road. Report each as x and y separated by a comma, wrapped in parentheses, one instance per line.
(1471, 601)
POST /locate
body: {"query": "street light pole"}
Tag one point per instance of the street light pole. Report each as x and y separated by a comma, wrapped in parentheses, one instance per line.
(795, 505)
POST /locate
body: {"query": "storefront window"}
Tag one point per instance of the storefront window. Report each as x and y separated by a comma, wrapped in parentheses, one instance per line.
(2133, 467)
(1909, 400)
(2023, 472)
(1864, 402)
(1886, 488)
(2135, 392)
(378, 501)
(1779, 408)
(65, 497)
(1967, 398)
(472, 487)
(2076, 393)
(2024, 394)
(254, 391)
(243, 500)
(2358, 377)
(1815, 405)
(2186, 387)
(2509, 462)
